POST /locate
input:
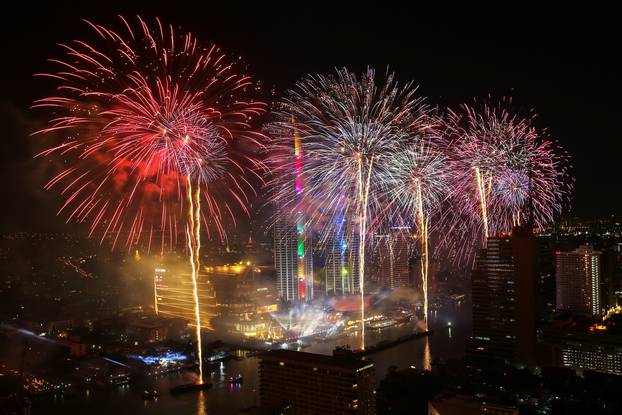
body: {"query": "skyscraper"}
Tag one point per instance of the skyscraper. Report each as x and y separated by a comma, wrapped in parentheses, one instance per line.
(504, 286)
(293, 256)
(293, 262)
(494, 300)
(578, 282)
(354, 262)
(611, 273)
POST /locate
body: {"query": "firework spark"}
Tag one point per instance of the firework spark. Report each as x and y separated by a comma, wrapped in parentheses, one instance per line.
(143, 117)
(137, 111)
(506, 172)
(417, 183)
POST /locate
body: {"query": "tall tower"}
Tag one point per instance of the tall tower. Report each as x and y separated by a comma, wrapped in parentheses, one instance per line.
(293, 256)
(578, 280)
(304, 242)
(286, 259)
(504, 291)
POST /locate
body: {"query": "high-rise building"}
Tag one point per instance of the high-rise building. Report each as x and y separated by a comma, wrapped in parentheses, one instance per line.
(578, 281)
(395, 254)
(338, 277)
(354, 263)
(307, 383)
(293, 261)
(174, 296)
(504, 287)
(293, 256)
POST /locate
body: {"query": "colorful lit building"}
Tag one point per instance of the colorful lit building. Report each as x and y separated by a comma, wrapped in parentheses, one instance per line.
(293, 256)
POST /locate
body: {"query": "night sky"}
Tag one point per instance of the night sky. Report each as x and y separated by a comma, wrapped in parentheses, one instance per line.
(564, 64)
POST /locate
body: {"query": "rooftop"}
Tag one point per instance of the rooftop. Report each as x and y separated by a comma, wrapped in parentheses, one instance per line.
(312, 359)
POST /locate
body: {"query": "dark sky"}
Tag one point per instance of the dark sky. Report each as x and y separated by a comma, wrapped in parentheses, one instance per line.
(562, 63)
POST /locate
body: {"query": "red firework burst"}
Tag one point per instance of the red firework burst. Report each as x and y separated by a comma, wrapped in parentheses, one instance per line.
(138, 111)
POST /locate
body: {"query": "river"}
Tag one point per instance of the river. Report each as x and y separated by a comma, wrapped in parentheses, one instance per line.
(451, 328)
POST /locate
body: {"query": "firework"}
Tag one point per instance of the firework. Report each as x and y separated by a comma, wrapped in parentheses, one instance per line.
(506, 172)
(149, 126)
(349, 127)
(139, 110)
(417, 182)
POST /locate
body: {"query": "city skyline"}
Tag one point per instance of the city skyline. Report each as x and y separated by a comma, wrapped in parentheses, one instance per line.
(223, 208)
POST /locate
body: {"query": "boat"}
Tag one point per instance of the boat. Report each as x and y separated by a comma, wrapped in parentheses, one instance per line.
(148, 395)
(380, 323)
(190, 387)
(235, 379)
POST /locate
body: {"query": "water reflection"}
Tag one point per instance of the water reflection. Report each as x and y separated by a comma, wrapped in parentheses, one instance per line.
(427, 356)
(226, 398)
(201, 408)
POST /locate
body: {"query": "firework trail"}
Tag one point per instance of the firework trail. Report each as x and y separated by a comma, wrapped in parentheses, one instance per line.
(137, 112)
(193, 231)
(417, 183)
(349, 127)
(143, 120)
(506, 172)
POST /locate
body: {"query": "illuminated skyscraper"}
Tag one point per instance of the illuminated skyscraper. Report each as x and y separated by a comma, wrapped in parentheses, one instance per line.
(354, 262)
(578, 280)
(303, 243)
(286, 260)
(293, 256)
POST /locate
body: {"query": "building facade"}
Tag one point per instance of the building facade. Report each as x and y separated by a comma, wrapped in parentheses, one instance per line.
(306, 383)
(505, 296)
(293, 262)
(578, 280)
(582, 345)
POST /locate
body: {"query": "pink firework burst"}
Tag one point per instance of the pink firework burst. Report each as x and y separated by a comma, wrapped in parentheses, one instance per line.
(505, 173)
